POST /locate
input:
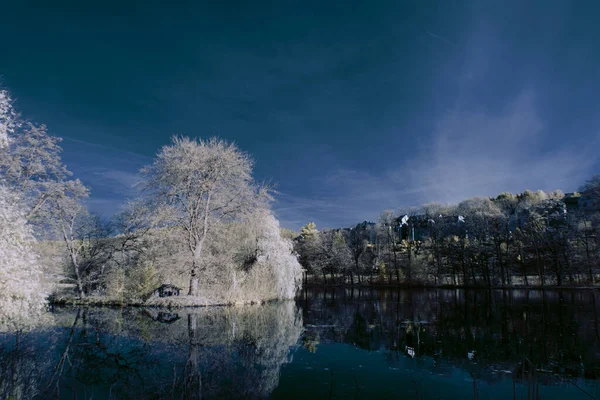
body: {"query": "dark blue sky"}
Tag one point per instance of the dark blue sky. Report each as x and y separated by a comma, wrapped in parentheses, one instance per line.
(350, 107)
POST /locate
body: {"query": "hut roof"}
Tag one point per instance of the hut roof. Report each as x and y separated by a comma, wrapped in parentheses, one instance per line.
(168, 286)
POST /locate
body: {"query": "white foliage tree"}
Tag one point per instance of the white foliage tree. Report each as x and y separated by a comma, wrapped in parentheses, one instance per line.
(200, 184)
(7, 119)
(276, 272)
(32, 169)
(21, 289)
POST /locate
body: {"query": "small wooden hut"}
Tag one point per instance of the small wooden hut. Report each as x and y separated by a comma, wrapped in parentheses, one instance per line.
(166, 290)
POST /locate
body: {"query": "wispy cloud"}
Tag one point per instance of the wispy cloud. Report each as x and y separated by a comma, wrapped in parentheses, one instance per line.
(433, 35)
(110, 172)
(345, 197)
(483, 153)
(472, 153)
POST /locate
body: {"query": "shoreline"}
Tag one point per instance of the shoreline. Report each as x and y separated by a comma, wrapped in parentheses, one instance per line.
(172, 302)
(179, 302)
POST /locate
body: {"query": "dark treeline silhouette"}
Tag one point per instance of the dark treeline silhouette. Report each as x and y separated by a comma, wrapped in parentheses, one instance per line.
(527, 239)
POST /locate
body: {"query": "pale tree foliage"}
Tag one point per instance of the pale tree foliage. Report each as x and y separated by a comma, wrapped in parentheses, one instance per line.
(200, 184)
(387, 239)
(22, 294)
(266, 267)
(289, 234)
(21, 291)
(325, 252)
(310, 229)
(31, 167)
(339, 253)
(246, 261)
(309, 247)
(67, 217)
(7, 119)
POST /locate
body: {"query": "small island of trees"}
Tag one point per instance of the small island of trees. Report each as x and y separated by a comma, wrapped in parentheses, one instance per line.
(200, 222)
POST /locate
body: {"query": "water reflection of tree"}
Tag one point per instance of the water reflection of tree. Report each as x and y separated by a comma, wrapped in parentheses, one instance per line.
(238, 352)
(109, 353)
(18, 368)
(88, 360)
(556, 331)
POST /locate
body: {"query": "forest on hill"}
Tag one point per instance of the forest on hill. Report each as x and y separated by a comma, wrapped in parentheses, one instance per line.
(526, 239)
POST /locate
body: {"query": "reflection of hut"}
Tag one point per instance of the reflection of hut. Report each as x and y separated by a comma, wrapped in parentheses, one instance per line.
(162, 316)
(166, 290)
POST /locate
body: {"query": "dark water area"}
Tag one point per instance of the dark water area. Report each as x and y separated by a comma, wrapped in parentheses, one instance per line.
(328, 344)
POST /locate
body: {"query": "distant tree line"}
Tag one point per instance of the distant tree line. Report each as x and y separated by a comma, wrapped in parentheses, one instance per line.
(531, 239)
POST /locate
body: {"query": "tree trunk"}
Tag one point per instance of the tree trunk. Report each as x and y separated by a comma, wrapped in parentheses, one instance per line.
(541, 271)
(503, 273)
(77, 275)
(192, 374)
(558, 271)
(438, 261)
(194, 280)
(587, 257)
(396, 267)
(409, 269)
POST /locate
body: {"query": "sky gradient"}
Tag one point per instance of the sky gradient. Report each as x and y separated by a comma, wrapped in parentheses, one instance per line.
(350, 107)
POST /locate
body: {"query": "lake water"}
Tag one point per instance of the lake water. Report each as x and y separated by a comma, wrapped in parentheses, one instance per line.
(335, 344)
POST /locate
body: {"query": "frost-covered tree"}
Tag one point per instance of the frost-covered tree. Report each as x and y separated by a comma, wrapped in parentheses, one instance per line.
(200, 184)
(21, 289)
(32, 169)
(310, 247)
(30, 164)
(67, 217)
(270, 270)
(7, 120)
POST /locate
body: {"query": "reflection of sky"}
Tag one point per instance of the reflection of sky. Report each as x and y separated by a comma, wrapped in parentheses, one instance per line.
(350, 107)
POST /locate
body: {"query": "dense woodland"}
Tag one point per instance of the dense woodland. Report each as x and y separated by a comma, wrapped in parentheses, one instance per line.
(530, 239)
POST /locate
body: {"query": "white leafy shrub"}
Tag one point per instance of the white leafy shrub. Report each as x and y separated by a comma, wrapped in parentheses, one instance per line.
(21, 289)
(276, 272)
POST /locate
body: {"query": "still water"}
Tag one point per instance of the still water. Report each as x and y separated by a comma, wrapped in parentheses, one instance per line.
(335, 344)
